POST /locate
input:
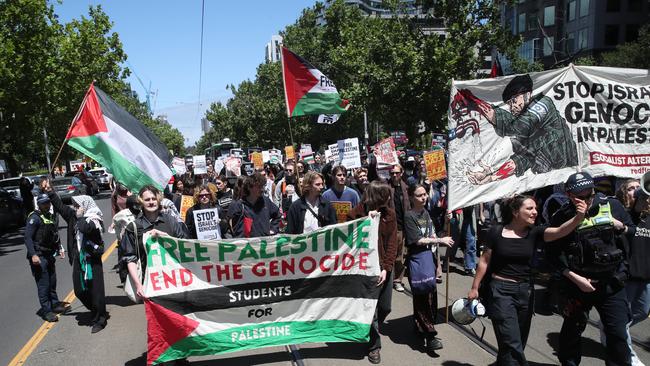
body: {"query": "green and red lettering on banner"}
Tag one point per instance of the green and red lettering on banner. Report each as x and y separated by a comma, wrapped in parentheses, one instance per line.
(217, 296)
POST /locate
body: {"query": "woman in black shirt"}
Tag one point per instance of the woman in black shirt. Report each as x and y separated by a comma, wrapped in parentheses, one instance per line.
(509, 253)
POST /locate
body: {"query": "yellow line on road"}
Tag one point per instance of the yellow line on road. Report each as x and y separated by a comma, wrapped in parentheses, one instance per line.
(36, 339)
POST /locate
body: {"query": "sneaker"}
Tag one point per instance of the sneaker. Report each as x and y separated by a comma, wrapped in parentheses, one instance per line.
(439, 279)
(50, 317)
(61, 308)
(433, 344)
(374, 357)
(398, 286)
(470, 272)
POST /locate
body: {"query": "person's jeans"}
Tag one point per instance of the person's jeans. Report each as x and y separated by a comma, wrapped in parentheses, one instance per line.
(510, 308)
(638, 294)
(45, 277)
(381, 312)
(468, 233)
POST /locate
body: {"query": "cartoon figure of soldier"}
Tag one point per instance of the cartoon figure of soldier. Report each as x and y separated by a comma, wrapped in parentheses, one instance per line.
(541, 140)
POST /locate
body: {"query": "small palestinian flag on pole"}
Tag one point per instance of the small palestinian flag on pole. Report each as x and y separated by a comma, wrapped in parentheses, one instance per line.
(111, 136)
(307, 90)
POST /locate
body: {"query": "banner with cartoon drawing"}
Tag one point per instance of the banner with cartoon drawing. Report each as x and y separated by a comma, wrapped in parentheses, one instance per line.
(517, 133)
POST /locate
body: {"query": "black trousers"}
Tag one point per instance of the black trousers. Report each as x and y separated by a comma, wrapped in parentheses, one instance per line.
(612, 306)
(381, 312)
(92, 296)
(45, 277)
(510, 307)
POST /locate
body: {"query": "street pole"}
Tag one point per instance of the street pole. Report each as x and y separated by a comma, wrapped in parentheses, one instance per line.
(47, 152)
(365, 128)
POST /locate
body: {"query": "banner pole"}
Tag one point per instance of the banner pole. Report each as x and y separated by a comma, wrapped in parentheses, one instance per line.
(447, 273)
(290, 132)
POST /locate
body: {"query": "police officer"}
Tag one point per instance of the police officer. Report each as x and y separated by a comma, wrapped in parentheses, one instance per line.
(42, 241)
(592, 262)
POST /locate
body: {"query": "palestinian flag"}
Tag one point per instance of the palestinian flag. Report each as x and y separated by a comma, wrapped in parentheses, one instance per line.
(111, 136)
(307, 90)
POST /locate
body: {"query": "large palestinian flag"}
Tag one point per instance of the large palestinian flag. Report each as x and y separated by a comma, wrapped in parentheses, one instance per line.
(307, 90)
(208, 297)
(111, 136)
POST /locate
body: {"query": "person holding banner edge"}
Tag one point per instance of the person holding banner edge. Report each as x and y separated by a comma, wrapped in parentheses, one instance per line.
(507, 259)
(421, 241)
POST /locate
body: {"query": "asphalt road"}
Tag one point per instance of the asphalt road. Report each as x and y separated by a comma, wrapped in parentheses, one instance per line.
(123, 342)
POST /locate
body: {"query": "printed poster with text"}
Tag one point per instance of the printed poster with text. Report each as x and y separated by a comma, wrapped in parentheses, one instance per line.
(207, 297)
(434, 161)
(517, 133)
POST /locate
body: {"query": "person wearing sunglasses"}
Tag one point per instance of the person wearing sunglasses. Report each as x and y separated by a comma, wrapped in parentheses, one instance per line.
(592, 261)
(204, 198)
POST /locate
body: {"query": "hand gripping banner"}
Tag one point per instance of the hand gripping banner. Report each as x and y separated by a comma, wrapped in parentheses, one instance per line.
(209, 297)
(518, 133)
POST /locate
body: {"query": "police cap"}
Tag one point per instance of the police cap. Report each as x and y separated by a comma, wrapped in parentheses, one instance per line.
(42, 199)
(579, 182)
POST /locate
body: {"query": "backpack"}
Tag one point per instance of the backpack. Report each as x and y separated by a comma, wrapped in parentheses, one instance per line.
(121, 220)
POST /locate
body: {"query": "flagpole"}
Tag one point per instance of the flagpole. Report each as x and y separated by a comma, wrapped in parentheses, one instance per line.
(290, 133)
(76, 116)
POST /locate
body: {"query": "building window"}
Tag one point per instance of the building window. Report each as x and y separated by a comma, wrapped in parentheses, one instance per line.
(549, 46)
(611, 35)
(631, 32)
(584, 8)
(522, 22)
(583, 39)
(634, 5)
(549, 16)
(613, 6)
(571, 10)
(532, 22)
(571, 42)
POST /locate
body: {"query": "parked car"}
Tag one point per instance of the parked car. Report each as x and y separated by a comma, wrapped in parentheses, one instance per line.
(11, 210)
(66, 187)
(92, 188)
(103, 177)
(11, 185)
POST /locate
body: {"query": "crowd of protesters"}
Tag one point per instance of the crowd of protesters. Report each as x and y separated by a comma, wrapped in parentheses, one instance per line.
(504, 244)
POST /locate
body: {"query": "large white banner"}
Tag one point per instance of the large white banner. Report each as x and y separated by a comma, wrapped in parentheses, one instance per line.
(518, 133)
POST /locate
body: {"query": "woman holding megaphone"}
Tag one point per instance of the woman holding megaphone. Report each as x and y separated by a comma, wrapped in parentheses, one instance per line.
(508, 287)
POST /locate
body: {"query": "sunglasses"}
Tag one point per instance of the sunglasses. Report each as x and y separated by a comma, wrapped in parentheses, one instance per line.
(586, 197)
(206, 195)
(395, 173)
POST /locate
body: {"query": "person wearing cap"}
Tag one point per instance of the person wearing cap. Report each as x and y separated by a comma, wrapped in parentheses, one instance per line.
(541, 140)
(592, 261)
(42, 241)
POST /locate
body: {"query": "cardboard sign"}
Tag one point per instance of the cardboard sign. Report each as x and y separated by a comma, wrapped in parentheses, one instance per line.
(200, 166)
(237, 152)
(248, 168)
(179, 165)
(349, 154)
(385, 153)
(275, 156)
(233, 166)
(435, 164)
(186, 203)
(305, 149)
(258, 160)
(218, 165)
(342, 209)
(266, 156)
(288, 151)
(207, 224)
(438, 139)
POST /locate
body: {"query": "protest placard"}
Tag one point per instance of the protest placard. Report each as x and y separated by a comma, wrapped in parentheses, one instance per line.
(305, 149)
(434, 161)
(266, 156)
(207, 224)
(258, 160)
(218, 296)
(219, 165)
(385, 153)
(200, 166)
(179, 165)
(186, 203)
(233, 166)
(275, 156)
(348, 151)
(288, 151)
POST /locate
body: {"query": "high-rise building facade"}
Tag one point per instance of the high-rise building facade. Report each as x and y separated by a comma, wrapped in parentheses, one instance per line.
(273, 49)
(557, 31)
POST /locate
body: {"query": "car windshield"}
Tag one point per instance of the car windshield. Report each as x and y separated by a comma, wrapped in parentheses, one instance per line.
(11, 182)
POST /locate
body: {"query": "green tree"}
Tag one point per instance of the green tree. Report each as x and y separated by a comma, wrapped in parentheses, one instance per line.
(631, 54)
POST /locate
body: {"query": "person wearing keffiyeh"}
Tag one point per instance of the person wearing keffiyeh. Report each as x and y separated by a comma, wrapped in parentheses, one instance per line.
(85, 248)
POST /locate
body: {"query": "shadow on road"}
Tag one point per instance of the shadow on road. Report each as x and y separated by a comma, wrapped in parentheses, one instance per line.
(258, 359)
(401, 331)
(346, 351)
(121, 301)
(589, 347)
(12, 241)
